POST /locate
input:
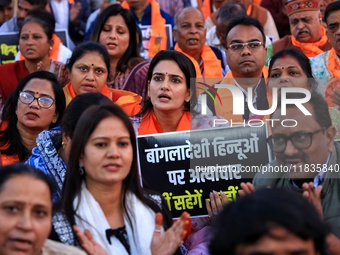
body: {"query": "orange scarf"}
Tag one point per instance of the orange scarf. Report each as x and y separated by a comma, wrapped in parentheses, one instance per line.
(249, 9)
(158, 39)
(54, 53)
(212, 67)
(150, 125)
(127, 100)
(225, 109)
(7, 159)
(333, 66)
(312, 49)
(204, 7)
(70, 94)
(333, 63)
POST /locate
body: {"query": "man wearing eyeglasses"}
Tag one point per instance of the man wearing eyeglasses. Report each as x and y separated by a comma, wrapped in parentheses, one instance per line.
(326, 66)
(246, 56)
(307, 159)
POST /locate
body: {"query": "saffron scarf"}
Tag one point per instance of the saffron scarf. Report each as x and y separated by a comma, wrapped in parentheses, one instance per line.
(127, 100)
(158, 39)
(54, 53)
(312, 49)
(333, 63)
(150, 124)
(204, 7)
(70, 94)
(212, 68)
(7, 159)
(212, 65)
(249, 9)
(226, 108)
(333, 66)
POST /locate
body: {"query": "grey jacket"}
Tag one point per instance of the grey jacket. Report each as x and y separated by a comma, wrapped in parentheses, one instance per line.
(330, 196)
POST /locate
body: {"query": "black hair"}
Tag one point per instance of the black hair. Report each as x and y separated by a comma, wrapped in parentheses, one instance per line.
(252, 217)
(228, 11)
(88, 47)
(87, 123)
(133, 49)
(42, 17)
(186, 66)
(20, 169)
(301, 58)
(40, 3)
(77, 106)
(10, 139)
(244, 21)
(332, 7)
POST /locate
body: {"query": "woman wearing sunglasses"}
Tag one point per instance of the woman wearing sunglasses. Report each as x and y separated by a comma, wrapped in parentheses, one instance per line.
(37, 104)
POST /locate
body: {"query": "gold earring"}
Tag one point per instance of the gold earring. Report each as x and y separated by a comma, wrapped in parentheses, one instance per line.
(63, 144)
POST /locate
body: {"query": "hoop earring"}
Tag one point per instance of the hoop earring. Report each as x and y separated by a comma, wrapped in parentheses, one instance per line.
(81, 169)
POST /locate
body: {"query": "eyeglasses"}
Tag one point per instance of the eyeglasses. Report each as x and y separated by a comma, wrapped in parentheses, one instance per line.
(300, 140)
(252, 46)
(27, 98)
(333, 27)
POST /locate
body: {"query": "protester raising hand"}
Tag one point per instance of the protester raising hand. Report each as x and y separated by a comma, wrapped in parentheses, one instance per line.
(163, 243)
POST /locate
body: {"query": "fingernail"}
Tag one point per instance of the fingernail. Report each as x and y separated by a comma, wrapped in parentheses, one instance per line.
(221, 192)
(214, 192)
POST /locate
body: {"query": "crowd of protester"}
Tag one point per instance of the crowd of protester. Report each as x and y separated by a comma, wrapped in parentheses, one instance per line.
(73, 107)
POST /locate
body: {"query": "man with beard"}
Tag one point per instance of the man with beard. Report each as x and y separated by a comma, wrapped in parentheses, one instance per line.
(308, 34)
(307, 159)
(14, 24)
